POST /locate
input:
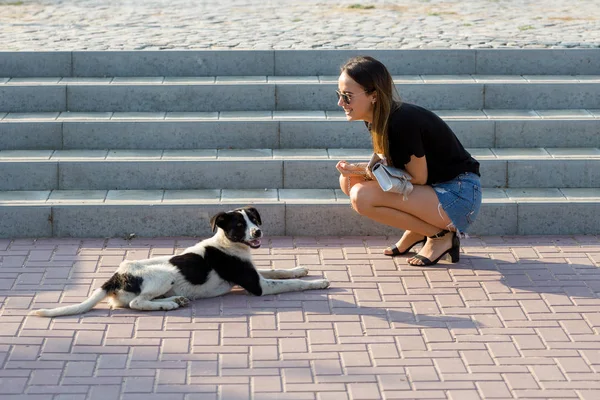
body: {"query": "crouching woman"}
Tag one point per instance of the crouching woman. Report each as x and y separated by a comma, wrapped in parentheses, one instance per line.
(447, 191)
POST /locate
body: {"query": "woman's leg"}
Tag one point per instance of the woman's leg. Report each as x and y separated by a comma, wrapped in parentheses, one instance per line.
(346, 182)
(420, 214)
(408, 238)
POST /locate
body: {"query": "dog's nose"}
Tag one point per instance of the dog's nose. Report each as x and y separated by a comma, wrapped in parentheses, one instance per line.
(256, 233)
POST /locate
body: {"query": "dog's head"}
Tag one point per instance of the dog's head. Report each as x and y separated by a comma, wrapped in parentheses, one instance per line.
(241, 225)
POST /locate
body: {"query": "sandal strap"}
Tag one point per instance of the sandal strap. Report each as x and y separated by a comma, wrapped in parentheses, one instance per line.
(439, 234)
(425, 260)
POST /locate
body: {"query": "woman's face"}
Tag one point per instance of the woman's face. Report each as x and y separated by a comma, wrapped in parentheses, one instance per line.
(360, 107)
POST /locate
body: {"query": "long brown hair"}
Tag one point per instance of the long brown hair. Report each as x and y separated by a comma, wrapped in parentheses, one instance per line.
(373, 76)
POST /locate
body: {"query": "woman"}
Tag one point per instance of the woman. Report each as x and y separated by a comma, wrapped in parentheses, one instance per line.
(447, 191)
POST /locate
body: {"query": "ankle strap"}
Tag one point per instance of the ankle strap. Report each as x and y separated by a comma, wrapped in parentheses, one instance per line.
(439, 234)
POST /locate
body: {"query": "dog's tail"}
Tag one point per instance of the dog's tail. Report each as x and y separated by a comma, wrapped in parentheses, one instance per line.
(97, 296)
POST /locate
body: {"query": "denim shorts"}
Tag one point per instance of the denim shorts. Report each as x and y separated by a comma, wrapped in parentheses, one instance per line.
(461, 199)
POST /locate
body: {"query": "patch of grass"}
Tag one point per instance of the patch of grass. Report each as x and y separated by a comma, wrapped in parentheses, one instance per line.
(360, 7)
(296, 20)
(525, 27)
(467, 24)
(12, 3)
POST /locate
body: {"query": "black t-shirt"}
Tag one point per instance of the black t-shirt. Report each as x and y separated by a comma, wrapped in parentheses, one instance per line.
(414, 130)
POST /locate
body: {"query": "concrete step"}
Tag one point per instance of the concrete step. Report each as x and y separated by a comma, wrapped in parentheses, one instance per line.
(296, 62)
(282, 129)
(268, 168)
(233, 93)
(285, 212)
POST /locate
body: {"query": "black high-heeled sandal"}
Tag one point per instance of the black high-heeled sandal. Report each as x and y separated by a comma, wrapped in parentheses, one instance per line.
(454, 251)
(396, 252)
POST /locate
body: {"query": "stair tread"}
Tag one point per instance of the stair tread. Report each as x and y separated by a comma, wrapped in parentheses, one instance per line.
(484, 114)
(200, 155)
(217, 196)
(304, 79)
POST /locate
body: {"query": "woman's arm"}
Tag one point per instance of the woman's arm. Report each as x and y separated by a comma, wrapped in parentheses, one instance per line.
(417, 167)
(346, 168)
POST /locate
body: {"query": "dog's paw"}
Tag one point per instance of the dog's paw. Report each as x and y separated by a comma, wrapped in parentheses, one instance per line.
(320, 284)
(299, 272)
(168, 305)
(182, 301)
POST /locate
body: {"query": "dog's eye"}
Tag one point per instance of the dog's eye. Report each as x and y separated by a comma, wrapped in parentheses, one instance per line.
(239, 224)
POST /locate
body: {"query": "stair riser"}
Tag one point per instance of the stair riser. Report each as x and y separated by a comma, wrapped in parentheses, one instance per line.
(280, 219)
(272, 174)
(267, 97)
(297, 62)
(70, 135)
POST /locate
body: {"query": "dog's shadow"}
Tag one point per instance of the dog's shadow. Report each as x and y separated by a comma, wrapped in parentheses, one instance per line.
(477, 283)
(491, 279)
(292, 308)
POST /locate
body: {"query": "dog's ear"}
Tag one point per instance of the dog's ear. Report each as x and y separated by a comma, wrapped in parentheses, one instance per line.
(217, 220)
(251, 211)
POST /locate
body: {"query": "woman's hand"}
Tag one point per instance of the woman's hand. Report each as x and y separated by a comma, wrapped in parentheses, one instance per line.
(347, 169)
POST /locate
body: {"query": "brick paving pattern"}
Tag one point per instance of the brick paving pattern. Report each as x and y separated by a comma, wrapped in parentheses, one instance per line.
(517, 318)
(293, 24)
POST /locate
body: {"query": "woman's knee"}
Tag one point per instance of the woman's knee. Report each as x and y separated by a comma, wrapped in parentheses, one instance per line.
(361, 199)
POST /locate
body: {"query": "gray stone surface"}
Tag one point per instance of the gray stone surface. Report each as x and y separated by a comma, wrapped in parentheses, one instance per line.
(296, 213)
(149, 98)
(35, 63)
(554, 173)
(30, 135)
(579, 133)
(25, 221)
(307, 196)
(127, 175)
(496, 218)
(317, 174)
(151, 220)
(19, 197)
(207, 196)
(289, 24)
(28, 176)
(474, 133)
(493, 172)
(178, 134)
(172, 63)
(558, 218)
(327, 220)
(340, 134)
(539, 61)
(443, 96)
(136, 197)
(406, 62)
(171, 135)
(77, 196)
(24, 98)
(542, 95)
(266, 168)
(582, 194)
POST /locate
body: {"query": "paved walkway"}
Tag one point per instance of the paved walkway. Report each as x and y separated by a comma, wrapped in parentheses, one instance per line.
(294, 24)
(517, 318)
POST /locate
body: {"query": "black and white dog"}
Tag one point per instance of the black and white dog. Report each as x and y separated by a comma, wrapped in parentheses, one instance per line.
(208, 269)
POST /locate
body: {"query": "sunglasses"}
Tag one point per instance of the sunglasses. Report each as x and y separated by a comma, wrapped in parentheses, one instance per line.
(347, 98)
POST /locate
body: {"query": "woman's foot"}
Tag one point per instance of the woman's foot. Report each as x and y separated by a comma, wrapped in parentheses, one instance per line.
(435, 247)
(408, 240)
